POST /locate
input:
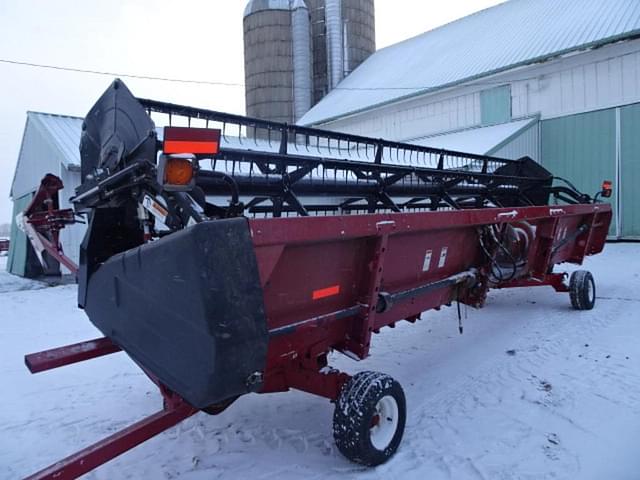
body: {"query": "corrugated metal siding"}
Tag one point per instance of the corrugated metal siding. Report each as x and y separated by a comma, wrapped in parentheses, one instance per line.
(65, 132)
(630, 171)
(525, 144)
(479, 140)
(495, 105)
(416, 118)
(36, 158)
(72, 235)
(582, 149)
(17, 260)
(602, 79)
(514, 33)
(545, 93)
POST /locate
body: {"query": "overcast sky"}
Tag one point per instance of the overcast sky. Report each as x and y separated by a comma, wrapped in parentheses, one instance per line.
(188, 39)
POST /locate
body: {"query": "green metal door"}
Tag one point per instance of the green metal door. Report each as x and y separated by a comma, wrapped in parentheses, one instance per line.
(19, 246)
(630, 171)
(582, 149)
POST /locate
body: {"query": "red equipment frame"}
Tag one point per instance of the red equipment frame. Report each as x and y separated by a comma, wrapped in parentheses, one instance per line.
(175, 410)
(329, 283)
(43, 221)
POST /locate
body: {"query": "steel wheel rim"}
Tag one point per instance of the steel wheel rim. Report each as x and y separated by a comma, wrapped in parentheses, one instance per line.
(591, 291)
(384, 429)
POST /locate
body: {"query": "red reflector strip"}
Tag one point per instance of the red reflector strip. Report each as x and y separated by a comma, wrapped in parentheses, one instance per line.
(191, 140)
(326, 292)
(178, 146)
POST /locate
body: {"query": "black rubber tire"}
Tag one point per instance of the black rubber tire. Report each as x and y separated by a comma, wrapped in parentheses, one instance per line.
(354, 416)
(582, 290)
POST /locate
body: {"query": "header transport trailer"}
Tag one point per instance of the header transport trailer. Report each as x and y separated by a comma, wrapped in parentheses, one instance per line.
(228, 255)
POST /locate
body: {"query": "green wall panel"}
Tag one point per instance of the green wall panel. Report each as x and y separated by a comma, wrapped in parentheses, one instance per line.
(17, 260)
(582, 149)
(630, 171)
(495, 105)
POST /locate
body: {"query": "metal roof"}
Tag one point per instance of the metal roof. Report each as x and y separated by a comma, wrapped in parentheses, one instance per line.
(63, 131)
(512, 34)
(479, 140)
(258, 5)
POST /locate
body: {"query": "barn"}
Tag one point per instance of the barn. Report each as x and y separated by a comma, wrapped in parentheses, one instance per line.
(555, 80)
(49, 145)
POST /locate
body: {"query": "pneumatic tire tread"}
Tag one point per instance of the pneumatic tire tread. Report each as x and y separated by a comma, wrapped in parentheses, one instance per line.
(582, 290)
(354, 412)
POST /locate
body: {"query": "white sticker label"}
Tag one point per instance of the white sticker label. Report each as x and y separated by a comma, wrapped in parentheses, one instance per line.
(443, 257)
(511, 214)
(155, 208)
(427, 261)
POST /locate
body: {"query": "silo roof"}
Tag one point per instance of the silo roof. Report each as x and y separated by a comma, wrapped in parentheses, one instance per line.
(258, 5)
(296, 4)
(509, 35)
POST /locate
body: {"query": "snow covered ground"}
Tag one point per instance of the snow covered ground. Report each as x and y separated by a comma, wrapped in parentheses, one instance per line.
(532, 390)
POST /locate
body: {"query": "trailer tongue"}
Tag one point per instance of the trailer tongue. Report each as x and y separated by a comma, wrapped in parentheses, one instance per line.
(233, 254)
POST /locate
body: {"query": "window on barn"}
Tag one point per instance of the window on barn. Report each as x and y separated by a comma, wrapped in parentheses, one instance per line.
(495, 105)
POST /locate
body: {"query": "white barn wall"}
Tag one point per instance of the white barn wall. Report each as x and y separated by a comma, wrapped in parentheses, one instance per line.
(585, 81)
(595, 80)
(415, 118)
(71, 236)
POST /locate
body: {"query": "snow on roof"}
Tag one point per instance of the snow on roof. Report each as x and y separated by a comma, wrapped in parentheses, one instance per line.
(514, 33)
(476, 140)
(64, 131)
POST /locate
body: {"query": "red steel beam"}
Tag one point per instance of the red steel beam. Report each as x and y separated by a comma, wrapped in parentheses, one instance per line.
(55, 251)
(107, 449)
(59, 357)
(288, 231)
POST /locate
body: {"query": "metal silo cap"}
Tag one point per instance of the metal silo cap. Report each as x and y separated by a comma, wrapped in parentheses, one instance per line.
(259, 5)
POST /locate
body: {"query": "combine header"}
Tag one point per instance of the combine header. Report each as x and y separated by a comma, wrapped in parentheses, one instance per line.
(228, 255)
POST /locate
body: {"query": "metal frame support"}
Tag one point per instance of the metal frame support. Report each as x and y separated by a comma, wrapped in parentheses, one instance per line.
(78, 352)
(108, 448)
(324, 384)
(555, 280)
(363, 337)
(175, 409)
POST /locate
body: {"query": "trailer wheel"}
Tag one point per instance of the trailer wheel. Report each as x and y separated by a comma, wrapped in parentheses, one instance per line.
(369, 419)
(582, 290)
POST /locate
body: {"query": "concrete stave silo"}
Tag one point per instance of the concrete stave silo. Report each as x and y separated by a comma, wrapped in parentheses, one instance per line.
(268, 50)
(358, 17)
(296, 51)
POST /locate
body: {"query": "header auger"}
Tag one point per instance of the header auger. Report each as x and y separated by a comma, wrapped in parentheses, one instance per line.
(228, 255)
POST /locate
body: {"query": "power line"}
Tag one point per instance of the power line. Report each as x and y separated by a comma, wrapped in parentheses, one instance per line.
(115, 74)
(173, 80)
(222, 84)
